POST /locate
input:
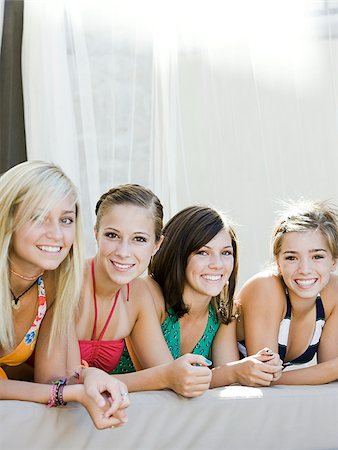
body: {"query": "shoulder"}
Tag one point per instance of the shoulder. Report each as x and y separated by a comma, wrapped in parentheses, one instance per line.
(146, 288)
(329, 294)
(261, 282)
(261, 288)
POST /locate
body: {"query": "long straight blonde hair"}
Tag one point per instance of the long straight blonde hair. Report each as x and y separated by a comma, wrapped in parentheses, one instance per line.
(38, 186)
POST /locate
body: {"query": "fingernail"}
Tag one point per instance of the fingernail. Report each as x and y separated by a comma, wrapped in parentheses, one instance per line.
(125, 419)
(208, 361)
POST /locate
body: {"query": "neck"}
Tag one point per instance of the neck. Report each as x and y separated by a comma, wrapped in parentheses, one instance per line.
(105, 287)
(301, 306)
(199, 306)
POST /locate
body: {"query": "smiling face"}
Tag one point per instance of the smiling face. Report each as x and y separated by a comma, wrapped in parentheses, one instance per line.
(126, 242)
(305, 262)
(43, 245)
(209, 268)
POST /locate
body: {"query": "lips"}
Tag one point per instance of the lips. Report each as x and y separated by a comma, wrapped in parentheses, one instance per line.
(306, 283)
(212, 277)
(122, 267)
(49, 248)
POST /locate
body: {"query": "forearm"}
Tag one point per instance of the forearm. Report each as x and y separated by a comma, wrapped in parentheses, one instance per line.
(223, 375)
(322, 373)
(34, 392)
(151, 379)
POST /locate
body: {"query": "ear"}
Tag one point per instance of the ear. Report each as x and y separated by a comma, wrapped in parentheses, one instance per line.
(334, 265)
(278, 267)
(95, 232)
(157, 245)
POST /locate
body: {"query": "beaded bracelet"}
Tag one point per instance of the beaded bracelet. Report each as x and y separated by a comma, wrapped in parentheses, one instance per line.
(56, 396)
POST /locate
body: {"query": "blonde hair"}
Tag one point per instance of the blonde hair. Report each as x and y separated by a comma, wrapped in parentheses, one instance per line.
(305, 215)
(38, 186)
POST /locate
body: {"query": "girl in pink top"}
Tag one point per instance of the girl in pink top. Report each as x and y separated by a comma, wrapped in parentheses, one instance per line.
(115, 304)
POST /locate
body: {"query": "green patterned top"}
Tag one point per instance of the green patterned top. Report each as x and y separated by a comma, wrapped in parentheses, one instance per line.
(171, 333)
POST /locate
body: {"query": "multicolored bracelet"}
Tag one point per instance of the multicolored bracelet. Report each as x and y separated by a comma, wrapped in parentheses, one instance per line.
(56, 396)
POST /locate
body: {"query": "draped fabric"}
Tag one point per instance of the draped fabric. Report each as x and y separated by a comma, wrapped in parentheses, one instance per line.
(12, 129)
(231, 104)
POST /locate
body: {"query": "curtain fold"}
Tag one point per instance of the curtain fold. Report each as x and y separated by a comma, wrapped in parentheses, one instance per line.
(230, 104)
(12, 125)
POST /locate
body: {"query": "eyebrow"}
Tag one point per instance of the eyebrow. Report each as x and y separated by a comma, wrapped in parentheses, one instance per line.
(72, 211)
(118, 231)
(311, 251)
(226, 246)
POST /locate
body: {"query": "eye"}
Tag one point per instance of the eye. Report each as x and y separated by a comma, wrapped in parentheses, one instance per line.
(290, 258)
(140, 239)
(111, 235)
(318, 256)
(67, 220)
(202, 252)
(227, 253)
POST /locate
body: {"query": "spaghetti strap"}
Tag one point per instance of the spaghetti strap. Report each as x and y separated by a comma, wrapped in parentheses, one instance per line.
(95, 306)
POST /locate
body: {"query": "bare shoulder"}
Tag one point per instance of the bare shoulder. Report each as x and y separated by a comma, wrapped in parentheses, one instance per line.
(145, 290)
(329, 294)
(259, 289)
(261, 282)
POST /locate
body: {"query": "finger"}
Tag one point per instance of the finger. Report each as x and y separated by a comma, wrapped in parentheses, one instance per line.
(96, 396)
(109, 422)
(198, 371)
(269, 368)
(264, 357)
(197, 391)
(115, 405)
(197, 360)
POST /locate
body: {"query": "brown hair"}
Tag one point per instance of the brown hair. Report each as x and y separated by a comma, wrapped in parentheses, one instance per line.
(185, 233)
(135, 195)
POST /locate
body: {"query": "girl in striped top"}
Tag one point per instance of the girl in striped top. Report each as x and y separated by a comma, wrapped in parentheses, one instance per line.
(294, 309)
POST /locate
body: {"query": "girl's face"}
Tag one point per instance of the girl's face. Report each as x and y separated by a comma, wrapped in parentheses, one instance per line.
(44, 245)
(126, 242)
(209, 268)
(305, 262)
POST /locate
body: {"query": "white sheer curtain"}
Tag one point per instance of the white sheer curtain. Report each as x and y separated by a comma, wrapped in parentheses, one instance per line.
(227, 103)
(2, 8)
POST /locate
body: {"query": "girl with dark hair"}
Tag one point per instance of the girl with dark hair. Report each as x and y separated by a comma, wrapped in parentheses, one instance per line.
(116, 303)
(193, 279)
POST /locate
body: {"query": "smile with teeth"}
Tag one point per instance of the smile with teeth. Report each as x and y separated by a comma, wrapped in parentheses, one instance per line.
(122, 266)
(309, 282)
(49, 248)
(212, 277)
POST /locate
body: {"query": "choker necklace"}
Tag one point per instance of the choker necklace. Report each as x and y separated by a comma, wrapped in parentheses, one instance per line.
(16, 302)
(23, 277)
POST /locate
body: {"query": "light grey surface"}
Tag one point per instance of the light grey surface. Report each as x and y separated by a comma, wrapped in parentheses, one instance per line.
(235, 417)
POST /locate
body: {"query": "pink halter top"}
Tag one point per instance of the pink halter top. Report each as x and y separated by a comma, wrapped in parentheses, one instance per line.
(104, 355)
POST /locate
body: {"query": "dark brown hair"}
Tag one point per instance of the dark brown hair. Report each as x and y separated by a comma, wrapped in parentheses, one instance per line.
(185, 233)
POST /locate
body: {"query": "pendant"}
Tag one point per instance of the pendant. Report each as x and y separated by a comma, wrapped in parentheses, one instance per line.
(16, 305)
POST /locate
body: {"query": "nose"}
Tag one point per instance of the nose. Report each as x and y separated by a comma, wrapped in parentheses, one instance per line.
(123, 249)
(216, 262)
(54, 230)
(305, 266)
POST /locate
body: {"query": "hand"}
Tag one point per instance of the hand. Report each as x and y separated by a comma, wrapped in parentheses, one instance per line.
(98, 414)
(267, 355)
(253, 371)
(189, 375)
(98, 385)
